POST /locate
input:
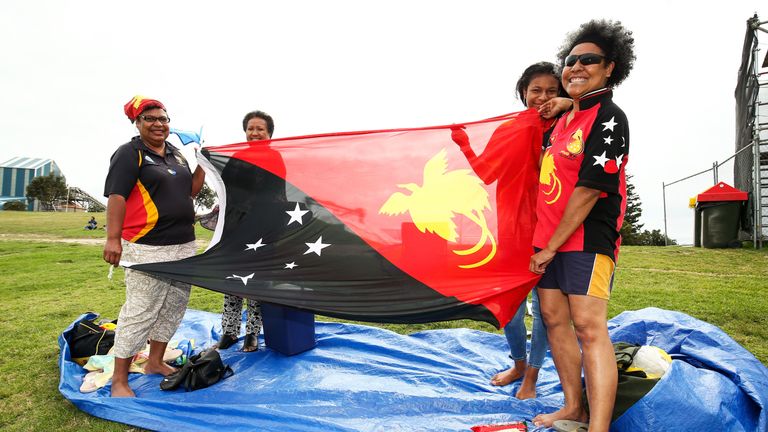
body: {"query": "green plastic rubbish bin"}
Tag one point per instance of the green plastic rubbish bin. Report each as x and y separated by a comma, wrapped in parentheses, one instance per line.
(718, 215)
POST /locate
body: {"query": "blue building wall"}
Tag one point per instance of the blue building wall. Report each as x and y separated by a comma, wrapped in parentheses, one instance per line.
(16, 174)
(6, 179)
(21, 182)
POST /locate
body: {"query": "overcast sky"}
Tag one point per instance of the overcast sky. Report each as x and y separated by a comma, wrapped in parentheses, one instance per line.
(68, 67)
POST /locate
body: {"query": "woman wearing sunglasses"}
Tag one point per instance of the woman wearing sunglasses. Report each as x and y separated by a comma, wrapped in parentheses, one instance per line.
(580, 208)
(538, 88)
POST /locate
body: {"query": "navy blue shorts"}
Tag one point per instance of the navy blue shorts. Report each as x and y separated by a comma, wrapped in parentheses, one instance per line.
(580, 273)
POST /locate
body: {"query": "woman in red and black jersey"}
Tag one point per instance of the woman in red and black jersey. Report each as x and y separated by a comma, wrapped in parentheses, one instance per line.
(580, 209)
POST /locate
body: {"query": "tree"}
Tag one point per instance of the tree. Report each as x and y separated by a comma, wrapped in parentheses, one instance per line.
(206, 198)
(47, 189)
(630, 228)
(15, 205)
(653, 238)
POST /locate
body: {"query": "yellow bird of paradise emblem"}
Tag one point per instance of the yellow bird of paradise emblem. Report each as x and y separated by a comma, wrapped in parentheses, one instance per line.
(548, 177)
(443, 194)
(576, 145)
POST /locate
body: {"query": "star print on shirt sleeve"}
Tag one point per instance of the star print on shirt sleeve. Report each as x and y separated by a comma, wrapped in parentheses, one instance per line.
(604, 158)
(609, 124)
(600, 160)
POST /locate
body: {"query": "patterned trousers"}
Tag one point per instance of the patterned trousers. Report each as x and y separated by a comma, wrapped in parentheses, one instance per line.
(232, 316)
(153, 307)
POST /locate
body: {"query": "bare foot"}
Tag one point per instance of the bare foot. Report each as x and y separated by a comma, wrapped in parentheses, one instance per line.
(526, 392)
(508, 376)
(122, 390)
(527, 389)
(562, 414)
(158, 369)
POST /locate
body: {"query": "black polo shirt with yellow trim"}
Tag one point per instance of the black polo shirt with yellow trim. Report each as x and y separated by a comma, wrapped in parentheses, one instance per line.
(591, 151)
(159, 208)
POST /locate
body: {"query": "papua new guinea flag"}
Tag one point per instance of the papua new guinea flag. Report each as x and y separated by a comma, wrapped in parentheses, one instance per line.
(379, 226)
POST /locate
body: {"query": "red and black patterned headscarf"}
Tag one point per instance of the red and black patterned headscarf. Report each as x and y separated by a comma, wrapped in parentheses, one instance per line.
(139, 104)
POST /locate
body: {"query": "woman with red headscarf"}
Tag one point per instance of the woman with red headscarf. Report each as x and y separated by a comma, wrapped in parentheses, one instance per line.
(150, 218)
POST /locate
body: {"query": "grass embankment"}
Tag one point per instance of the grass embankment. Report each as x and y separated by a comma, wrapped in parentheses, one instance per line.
(45, 284)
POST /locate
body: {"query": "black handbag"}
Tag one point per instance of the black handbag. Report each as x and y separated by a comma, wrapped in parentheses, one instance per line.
(201, 371)
(631, 385)
(89, 339)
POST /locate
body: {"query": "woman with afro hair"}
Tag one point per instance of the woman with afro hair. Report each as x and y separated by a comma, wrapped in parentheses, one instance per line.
(580, 209)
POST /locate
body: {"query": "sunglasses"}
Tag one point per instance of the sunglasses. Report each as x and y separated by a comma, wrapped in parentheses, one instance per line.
(585, 59)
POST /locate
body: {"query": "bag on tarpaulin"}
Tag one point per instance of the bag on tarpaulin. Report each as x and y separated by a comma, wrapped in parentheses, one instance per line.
(633, 381)
(201, 371)
(90, 339)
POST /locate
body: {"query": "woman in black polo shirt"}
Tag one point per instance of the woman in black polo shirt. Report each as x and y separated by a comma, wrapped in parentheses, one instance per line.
(150, 218)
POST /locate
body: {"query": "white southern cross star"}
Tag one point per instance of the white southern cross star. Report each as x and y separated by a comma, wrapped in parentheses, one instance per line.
(254, 246)
(608, 140)
(619, 160)
(609, 124)
(244, 279)
(600, 160)
(296, 215)
(316, 247)
(290, 265)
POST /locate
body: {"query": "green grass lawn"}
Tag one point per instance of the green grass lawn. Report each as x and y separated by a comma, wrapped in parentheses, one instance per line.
(45, 285)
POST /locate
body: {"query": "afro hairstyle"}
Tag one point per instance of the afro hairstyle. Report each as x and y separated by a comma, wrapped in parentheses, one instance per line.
(615, 40)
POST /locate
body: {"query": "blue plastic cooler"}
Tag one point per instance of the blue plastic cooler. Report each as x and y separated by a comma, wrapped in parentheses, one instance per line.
(288, 331)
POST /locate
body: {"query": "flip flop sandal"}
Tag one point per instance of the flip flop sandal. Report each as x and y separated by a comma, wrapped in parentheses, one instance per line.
(89, 382)
(570, 426)
(171, 354)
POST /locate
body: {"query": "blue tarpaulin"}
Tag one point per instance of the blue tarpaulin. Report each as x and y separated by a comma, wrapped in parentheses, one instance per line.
(362, 378)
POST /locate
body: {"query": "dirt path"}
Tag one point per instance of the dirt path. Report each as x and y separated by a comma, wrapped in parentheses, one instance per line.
(85, 241)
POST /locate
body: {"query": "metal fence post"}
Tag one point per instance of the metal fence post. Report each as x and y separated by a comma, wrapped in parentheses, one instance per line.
(664, 198)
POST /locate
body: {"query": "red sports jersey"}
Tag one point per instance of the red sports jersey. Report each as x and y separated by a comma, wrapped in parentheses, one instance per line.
(591, 151)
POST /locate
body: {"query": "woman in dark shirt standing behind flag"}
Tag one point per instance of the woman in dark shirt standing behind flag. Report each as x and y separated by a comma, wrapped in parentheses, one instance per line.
(580, 209)
(150, 218)
(258, 126)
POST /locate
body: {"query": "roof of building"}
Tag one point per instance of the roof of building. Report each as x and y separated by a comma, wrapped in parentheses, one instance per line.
(25, 163)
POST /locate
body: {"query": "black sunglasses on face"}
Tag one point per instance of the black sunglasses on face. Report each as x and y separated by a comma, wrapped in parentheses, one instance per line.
(585, 59)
